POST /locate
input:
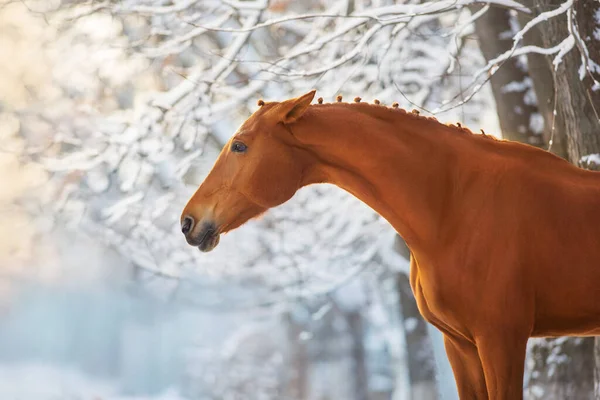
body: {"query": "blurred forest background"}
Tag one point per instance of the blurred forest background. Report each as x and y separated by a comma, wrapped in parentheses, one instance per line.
(112, 112)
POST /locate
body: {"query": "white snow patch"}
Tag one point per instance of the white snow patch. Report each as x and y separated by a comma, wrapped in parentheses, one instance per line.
(564, 47)
(505, 35)
(517, 86)
(410, 324)
(591, 158)
(537, 391)
(536, 123)
(593, 66)
(530, 98)
(33, 381)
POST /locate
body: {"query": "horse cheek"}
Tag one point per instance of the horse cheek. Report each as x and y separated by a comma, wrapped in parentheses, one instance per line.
(274, 185)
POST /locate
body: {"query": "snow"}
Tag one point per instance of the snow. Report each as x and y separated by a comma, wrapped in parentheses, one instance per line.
(519, 87)
(304, 336)
(410, 324)
(536, 123)
(594, 67)
(563, 48)
(590, 158)
(566, 45)
(37, 381)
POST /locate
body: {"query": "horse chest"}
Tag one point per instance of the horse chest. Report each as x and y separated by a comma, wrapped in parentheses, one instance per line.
(437, 303)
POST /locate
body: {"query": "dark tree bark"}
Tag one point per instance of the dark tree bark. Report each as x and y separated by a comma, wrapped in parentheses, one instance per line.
(576, 103)
(512, 86)
(597, 370)
(563, 369)
(582, 116)
(540, 71)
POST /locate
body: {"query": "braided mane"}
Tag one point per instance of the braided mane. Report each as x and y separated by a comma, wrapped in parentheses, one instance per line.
(414, 113)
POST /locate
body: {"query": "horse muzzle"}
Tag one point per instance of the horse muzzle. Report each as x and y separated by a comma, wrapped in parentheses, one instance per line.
(204, 235)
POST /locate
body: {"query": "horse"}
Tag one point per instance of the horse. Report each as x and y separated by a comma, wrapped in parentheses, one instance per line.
(503, 236)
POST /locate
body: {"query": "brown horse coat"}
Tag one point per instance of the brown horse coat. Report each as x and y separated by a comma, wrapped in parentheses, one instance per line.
(505, 238)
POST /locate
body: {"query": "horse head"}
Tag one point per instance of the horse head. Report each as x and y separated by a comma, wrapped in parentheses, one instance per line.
(260, 167)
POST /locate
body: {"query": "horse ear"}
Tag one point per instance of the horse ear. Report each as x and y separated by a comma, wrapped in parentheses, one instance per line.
(291, 110)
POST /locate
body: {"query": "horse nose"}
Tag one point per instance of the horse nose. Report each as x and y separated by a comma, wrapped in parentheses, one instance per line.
(187, 224)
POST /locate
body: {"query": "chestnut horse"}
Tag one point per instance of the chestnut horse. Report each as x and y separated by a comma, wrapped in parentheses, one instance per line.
(504, 237)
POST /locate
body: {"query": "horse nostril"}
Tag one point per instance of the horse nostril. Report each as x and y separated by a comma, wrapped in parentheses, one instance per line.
(187, 224)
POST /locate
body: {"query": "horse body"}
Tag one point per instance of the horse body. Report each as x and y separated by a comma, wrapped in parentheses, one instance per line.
(503, 236)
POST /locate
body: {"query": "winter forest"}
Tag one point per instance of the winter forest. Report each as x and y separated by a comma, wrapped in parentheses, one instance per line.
(112, 113)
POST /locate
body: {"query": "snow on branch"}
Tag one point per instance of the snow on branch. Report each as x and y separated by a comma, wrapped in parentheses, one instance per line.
(560, 50)
(385, 14)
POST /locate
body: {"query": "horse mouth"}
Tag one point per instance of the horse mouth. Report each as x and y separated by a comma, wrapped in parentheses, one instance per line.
(208, 242)
(206, 239)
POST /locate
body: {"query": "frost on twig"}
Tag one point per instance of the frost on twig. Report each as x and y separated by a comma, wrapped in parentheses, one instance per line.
(559, 50)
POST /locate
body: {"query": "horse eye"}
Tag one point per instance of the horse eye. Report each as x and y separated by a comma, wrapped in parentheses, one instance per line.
(238, 147)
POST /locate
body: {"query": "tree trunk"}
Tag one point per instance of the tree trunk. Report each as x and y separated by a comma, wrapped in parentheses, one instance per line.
(563, 369)
(597, 370)
(577, 104)
(512, 87)
(540, 71)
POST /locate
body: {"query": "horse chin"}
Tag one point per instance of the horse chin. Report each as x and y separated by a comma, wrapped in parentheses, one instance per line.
(209, 243)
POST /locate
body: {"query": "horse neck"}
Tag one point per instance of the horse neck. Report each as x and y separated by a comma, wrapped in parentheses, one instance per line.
(400, 165)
